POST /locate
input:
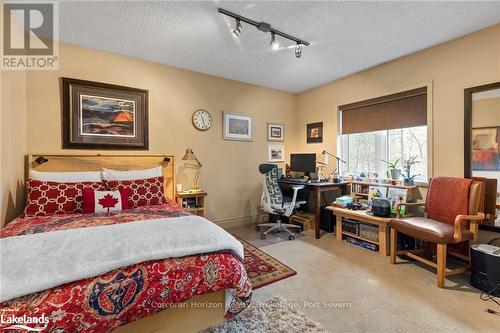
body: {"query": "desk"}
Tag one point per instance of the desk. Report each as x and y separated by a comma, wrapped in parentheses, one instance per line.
(318, 189)
(360, 215)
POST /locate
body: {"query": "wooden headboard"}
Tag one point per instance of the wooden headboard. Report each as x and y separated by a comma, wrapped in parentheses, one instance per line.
(94, 162)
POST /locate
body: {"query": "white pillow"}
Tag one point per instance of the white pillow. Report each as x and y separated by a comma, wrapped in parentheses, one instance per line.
(72, 177)
(108, 174)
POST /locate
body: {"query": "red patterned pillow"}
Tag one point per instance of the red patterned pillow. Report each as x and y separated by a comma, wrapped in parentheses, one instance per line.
(105, 201)
(142, 191)
(47, 198)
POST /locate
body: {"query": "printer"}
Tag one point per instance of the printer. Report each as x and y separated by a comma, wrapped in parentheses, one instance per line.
(485, 268)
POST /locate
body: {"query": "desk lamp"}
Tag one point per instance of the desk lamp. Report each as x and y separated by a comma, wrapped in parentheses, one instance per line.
(190, 156)
(336, 178)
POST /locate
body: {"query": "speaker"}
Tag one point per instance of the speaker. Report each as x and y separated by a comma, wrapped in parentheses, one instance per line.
(327, 220)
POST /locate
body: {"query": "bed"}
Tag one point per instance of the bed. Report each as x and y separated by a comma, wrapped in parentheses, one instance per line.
(150, 268)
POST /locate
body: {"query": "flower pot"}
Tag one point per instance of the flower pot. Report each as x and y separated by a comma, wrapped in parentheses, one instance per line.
(395, 174)
(409, 182)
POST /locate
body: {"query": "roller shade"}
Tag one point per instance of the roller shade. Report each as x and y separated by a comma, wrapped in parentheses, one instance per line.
(401, 110)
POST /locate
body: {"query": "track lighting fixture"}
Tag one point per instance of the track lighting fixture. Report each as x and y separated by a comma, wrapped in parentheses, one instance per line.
(274, 44)
(237, 29)
(298, 50)
(264, 27)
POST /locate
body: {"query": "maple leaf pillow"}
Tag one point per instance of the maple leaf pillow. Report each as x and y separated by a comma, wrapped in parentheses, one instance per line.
(105, 201)
(143, 192)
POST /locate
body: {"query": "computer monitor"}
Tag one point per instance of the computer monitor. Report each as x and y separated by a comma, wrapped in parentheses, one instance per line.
(303, 163)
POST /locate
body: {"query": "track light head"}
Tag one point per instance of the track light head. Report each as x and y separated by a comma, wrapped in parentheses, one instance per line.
(237, 29)
(274, 44)
(298, 50)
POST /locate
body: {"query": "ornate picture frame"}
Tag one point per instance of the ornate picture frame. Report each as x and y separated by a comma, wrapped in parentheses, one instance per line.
(98, 115)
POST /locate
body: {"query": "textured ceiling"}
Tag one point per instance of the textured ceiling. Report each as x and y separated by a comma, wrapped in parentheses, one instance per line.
(345, 37)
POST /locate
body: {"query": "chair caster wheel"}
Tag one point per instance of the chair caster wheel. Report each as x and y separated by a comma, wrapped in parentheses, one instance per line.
(291, 237)
(257, 228)
(262, 236)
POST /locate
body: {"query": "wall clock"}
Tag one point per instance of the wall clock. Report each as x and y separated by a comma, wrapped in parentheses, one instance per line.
(202, 120)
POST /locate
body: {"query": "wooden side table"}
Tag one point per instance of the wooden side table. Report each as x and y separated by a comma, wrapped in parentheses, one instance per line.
(194, 202)
(362, 216)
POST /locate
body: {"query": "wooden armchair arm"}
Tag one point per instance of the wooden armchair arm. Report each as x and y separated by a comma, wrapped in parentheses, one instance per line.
(407, 204)
(457, 235)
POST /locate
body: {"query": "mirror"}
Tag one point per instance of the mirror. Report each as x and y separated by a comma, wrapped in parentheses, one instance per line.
(482, 141)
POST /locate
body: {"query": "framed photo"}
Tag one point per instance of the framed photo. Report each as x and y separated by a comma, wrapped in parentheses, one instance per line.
(276, 153)
(237, 126)
(103, 116)
(275, 132)
(486, 149)
(314, 132)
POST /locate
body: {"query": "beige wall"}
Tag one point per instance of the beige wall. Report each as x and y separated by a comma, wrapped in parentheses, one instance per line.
(229, 172)
(446, 69)
(13, 145)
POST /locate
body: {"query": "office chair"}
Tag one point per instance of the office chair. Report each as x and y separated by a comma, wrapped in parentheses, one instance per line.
(272, 202)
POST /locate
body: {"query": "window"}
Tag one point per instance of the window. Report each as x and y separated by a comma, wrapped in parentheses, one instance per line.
(364, 152)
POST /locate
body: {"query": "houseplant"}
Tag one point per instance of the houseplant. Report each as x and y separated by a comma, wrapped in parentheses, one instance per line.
(393, 170)
(408, 179)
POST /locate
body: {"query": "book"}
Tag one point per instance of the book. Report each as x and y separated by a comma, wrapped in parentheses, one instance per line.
(377, 192)
(397, 195)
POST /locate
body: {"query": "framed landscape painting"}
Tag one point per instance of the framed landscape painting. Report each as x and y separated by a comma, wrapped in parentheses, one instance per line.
(237, 126)
(104, 116)
(275, 132)
(486, 149)
(276, 153)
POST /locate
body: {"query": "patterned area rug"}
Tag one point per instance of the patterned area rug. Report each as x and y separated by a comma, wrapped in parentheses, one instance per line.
(262, 268)
(272, 316)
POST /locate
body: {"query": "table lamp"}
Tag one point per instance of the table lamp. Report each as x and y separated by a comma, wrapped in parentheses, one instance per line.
(190, 156)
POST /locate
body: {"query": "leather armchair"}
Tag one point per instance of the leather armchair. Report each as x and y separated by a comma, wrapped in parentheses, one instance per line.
(453, 211)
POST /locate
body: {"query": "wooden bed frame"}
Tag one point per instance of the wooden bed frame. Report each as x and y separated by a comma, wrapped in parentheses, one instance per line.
(199, 312)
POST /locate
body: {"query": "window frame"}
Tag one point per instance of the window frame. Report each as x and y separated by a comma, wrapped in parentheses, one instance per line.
(382, 146)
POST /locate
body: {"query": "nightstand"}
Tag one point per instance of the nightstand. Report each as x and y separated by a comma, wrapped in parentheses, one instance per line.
(194, 202)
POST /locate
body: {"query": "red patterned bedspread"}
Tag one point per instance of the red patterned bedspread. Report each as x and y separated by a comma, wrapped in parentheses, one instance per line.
(107, 301)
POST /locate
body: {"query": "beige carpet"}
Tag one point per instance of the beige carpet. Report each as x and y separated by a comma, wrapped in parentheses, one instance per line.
(273, 316)
(349, 289)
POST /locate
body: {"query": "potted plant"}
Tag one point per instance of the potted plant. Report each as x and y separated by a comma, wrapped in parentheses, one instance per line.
(393, 171)
(410, 180)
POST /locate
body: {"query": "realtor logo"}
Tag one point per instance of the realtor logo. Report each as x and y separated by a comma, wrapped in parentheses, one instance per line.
(30, 35)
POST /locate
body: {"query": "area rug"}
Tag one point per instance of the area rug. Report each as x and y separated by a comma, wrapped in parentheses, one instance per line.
(272, 316)
(262, 268)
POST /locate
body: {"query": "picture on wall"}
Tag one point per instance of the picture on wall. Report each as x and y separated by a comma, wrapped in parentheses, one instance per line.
(314, 132)
(104, 116)
(276, 153)
(275, 132)
(237, 126)
(486, 149)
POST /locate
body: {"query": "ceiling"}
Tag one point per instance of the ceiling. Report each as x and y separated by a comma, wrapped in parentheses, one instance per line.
(346, 37)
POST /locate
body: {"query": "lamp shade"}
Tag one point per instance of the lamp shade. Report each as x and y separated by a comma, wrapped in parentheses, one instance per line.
(189, 155)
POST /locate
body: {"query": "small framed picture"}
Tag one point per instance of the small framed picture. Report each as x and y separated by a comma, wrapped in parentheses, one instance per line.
(275, 132)
(276, 153)
(237, 126)
(314, 132)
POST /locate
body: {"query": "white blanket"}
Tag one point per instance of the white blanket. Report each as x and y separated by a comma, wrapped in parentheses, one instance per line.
(37, 262)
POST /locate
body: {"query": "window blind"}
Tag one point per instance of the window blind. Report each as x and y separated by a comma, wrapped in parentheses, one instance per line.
(401, 110)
